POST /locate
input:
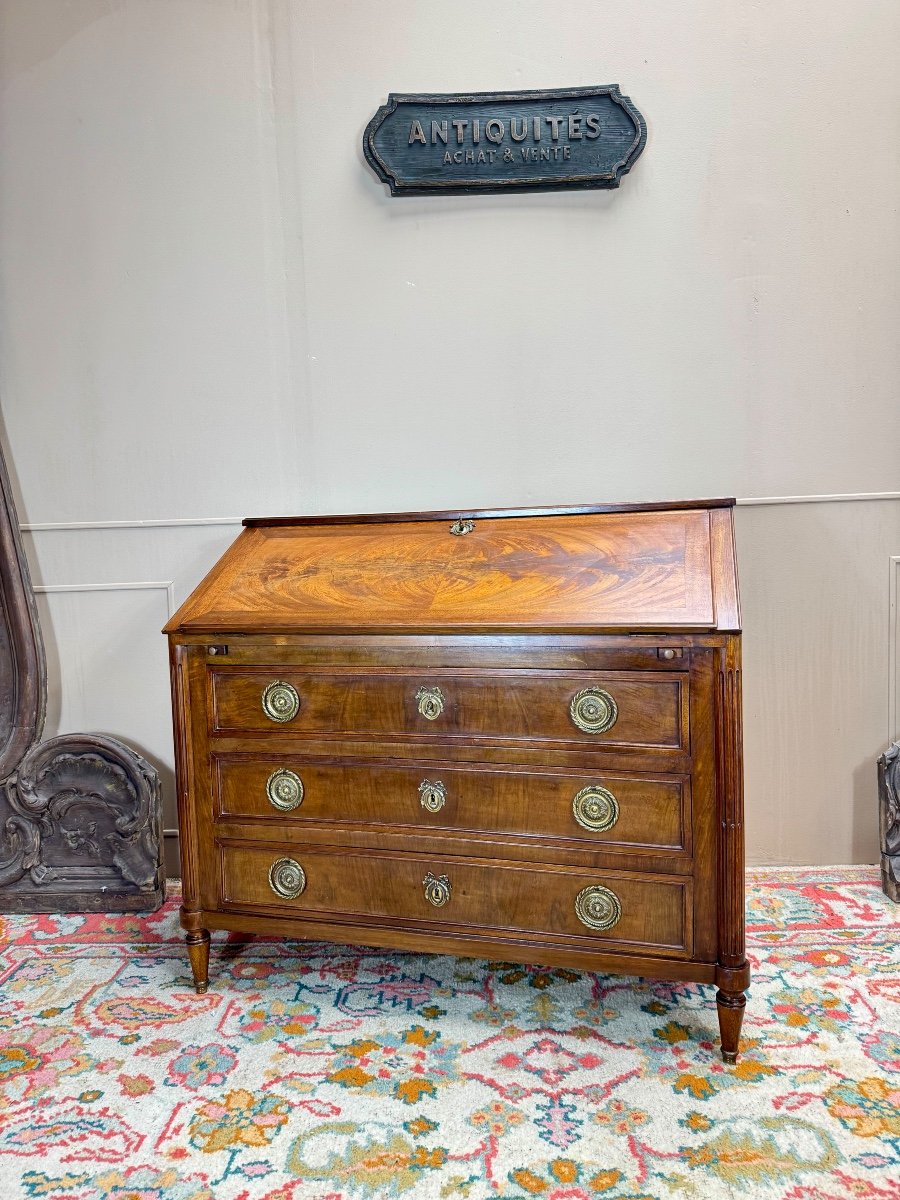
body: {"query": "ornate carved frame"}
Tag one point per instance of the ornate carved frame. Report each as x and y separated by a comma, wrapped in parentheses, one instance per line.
(80, 815)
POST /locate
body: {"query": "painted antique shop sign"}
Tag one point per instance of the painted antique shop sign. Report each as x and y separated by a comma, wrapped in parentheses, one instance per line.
(504, 141)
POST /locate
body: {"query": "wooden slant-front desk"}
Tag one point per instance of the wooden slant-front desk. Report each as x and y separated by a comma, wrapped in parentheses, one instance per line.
(510, 734)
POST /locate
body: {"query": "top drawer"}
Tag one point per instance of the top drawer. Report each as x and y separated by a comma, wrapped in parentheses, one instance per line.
(642, 709)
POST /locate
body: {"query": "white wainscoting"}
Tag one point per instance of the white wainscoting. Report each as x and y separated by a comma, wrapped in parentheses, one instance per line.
(106, 669)
(105, 589)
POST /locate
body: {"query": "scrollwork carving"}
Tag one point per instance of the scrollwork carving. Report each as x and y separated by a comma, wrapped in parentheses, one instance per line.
(84, 827)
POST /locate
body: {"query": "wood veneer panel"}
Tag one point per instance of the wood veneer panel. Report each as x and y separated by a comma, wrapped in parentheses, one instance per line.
(497, 705)
(529, 901)
(653, 813)
(632, 570)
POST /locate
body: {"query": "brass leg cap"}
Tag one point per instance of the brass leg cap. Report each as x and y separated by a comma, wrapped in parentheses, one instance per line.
(201, 988)
(729, 1056)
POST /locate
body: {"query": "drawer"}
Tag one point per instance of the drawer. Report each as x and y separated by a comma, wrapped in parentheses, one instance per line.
(615, 909)
(602, 809)
(635, 709)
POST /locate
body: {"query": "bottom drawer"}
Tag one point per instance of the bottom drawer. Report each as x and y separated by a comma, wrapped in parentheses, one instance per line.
(616, 908)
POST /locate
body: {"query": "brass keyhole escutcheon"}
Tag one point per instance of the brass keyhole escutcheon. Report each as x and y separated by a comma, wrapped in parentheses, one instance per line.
(593, 710)
(280, 701)
(284, 789)
(431, 702)
(287, 878)
(598, 908)
(437, 889)
(461, 527)
(432, 796)
(595, 808)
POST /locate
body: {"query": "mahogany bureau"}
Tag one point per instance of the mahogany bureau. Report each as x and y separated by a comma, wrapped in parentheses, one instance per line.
(512, 734)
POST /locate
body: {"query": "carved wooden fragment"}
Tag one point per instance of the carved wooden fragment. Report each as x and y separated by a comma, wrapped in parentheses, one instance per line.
(889, 820)
(80, 815)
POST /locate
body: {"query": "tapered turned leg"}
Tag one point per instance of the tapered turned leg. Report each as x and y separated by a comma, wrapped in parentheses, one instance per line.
(198, 952)
(732, 968)
(730, 1006)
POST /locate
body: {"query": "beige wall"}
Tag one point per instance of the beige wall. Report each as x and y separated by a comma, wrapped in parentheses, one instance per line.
(210, 307)
(815, 588)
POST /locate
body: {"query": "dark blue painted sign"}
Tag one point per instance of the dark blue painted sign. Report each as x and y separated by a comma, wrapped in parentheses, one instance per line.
(504, 141)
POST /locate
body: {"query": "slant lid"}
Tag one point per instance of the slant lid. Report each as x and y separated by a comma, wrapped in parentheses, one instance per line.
(670, 568)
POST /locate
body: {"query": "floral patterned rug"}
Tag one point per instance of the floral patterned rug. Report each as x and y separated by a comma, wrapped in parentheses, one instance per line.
(334, 1072)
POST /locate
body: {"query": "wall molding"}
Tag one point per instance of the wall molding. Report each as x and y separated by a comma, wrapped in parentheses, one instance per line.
(141, 585)
(832, 498)
(169, 523)
(182, 522)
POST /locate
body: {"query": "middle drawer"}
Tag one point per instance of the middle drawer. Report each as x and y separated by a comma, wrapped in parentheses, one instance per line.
(638, 812)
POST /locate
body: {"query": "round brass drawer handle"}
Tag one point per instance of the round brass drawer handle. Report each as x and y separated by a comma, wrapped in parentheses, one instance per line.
(284, 789)
(595, 808)
(280, 701)
(437, 889)
(287, 878)
(597, 907)
(593, 710)
(431, 702)
(432, 796)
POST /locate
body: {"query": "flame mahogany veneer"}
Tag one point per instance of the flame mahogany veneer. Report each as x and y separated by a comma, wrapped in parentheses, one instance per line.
(507, 734)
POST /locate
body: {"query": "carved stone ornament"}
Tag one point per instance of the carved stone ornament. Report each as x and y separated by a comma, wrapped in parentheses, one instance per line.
(889, 820)
(80, 815)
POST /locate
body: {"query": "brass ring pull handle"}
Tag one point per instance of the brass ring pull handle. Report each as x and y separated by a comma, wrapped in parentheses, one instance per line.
(287, 878)
(595, 808)
(593, 710)
(284, 789)
(432, 796)
(431, 702)
(437, 889)
(597, 907)
(280, 701)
